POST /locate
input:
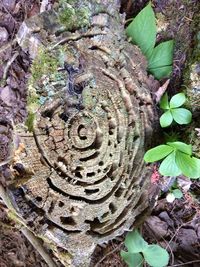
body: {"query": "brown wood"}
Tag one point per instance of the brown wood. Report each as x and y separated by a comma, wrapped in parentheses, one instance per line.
(80, 179)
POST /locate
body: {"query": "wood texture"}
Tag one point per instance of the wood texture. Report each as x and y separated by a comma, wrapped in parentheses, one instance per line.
(80, 179)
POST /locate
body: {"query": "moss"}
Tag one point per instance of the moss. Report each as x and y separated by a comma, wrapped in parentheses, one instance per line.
(43, 64)
(30, 121)
(32, 106)
(75, 14)
(191, 76)
(73, 18)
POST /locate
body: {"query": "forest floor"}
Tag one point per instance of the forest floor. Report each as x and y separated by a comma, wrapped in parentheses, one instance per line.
(175, 226)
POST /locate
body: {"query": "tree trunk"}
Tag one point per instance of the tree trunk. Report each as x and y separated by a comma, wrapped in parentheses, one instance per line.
(79, 175)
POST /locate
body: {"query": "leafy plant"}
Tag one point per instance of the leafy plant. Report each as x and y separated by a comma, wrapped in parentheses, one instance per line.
(174, 194)
(177, 159)
(142, 31)
(173, 110)
(139, 251)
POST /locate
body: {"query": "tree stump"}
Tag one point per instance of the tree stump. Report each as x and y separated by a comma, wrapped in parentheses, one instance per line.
(79, 178)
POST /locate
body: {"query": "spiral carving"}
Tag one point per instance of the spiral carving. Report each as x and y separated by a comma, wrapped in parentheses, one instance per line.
(87, 181)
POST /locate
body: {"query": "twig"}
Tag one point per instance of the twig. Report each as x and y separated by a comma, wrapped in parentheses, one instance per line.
(38, 246)
(6, 226)
(107, 254)
(76, 37)
(9, 44)
(2, 163)
(27, 233)
(182, 264)
(9, 13)
(161, 90)
(9, 63)
(175, 234)
(4, 196)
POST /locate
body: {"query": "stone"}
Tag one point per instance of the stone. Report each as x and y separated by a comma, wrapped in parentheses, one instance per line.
(3, 35)
(9, 4)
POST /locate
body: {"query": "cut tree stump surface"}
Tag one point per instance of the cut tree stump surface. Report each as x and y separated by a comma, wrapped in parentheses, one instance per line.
(79, 178)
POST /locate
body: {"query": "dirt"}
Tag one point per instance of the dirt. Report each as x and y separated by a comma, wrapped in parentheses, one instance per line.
(176, 225)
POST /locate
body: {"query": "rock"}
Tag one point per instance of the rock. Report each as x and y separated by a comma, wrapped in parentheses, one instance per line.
(189, 242)
(9, 4)
(157, 226)
(165, 217)
(3, 35)
(5, 95)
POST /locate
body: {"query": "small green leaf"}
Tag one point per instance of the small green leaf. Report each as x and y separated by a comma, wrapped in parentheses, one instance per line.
(187, 149)
(181, 115)
(156, 256)
(169, 167)
(164, 102)
(177, 193)
(190, 166)
(177, 100)
(142, 30)
(162, 55)
(134, 242)
(157, 153)
(132, 259)
(161, 72)
(166, 119)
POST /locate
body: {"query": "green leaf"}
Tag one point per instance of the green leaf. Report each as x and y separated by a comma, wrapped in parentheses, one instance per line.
(181, 115)
(177, 193)
(156, 256)
(134, 242)
(157, 153)
(190, 166)
(187, 149)
(164, 102)
(169, 167)
(177, 100)
(166, 119)
(161, 72)
(162, 55)
(132, 259)
(142, 30)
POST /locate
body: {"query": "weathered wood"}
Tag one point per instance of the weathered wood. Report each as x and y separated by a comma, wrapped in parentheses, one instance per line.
(80, 179)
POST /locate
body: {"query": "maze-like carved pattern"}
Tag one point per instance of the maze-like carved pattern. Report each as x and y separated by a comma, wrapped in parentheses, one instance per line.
(87, 181)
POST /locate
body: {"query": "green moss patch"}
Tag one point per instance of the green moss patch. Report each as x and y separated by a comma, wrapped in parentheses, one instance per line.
(73, 16)
(43, 64)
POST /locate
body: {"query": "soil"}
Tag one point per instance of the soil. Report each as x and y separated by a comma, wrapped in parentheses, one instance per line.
(175, 226)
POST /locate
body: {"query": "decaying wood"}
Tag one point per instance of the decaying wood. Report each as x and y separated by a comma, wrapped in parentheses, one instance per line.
(80, 179)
